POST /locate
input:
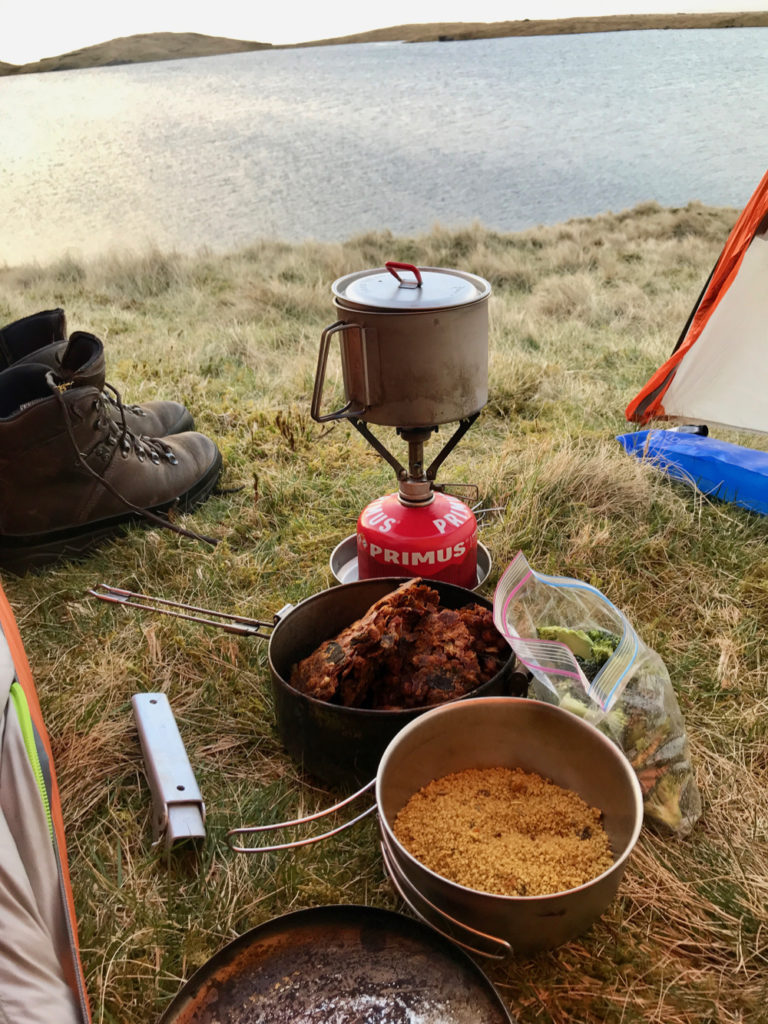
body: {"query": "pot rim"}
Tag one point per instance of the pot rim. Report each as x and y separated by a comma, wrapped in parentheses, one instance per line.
(372, 311)
(434, 292)
(392, 841)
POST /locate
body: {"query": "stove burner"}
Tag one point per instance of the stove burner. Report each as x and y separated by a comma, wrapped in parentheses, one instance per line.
(416, 484)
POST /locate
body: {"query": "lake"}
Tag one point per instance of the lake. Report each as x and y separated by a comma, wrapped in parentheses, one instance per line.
(330, 142)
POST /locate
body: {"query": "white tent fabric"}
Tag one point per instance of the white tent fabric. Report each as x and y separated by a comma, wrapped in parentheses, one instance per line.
(718, 369)
(41, 976)
(722, 379)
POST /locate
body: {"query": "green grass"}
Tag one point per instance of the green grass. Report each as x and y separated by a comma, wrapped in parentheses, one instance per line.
(581, 314)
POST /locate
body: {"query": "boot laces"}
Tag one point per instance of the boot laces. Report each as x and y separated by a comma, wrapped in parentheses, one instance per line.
(115, 400)
(119, 434)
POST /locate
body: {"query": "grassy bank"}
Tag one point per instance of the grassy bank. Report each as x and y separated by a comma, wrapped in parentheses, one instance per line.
(580, 315)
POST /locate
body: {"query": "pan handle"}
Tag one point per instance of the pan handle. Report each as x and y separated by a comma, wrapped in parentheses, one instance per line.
(400, 884)
(249, 829)
(237, 624)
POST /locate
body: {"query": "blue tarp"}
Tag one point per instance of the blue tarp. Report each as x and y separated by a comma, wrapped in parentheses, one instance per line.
(719, 469)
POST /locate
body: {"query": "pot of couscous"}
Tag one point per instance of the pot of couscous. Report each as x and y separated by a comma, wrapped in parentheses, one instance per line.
(506, 823)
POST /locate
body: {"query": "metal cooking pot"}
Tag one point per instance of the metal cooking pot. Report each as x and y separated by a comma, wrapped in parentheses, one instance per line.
(537, 737)
(505, 732)
(338, 963)
(339, 745)
(414, 349)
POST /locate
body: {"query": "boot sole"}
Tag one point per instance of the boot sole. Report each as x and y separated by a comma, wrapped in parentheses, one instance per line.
(22, 554)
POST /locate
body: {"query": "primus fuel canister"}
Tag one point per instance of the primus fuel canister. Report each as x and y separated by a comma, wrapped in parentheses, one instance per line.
(438, 541)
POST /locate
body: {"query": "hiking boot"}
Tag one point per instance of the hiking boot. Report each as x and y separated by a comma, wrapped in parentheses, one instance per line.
(42, 338)
(71, 476)
(22, 337)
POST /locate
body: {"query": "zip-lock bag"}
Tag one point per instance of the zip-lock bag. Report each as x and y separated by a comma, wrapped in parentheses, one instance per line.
(585, 656)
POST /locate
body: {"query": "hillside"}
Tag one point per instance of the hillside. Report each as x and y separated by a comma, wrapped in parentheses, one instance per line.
(137, 49)
(456, 31)
(155, 46)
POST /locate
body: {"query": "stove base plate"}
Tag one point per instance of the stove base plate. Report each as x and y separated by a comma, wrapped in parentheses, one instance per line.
(343, 562)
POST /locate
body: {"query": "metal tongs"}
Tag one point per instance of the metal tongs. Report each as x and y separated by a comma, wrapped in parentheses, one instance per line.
(237, 624)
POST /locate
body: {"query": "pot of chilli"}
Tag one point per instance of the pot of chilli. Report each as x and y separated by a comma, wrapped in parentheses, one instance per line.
(350, 666)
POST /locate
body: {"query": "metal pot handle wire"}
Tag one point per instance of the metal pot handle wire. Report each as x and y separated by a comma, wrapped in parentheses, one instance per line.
(341, 326)
(400, 884)
(249, 829)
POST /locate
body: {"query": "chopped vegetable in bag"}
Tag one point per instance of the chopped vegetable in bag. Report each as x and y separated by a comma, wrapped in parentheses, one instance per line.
(585, 656)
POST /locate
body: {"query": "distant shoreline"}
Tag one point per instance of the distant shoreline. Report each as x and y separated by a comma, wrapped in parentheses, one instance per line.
(161, 46)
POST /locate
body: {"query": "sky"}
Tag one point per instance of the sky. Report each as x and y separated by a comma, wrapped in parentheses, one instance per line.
(33, 29)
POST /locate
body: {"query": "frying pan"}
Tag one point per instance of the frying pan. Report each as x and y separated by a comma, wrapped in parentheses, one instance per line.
(343, 745)
(338, 745)
(338, 965)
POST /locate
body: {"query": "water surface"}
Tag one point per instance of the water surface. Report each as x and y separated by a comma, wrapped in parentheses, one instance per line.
(329, 142)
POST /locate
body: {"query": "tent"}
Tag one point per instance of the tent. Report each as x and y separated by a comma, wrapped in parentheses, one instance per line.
(41, 976)
(716, 373)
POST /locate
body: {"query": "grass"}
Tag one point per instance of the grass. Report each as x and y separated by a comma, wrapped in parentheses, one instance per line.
(581, 314)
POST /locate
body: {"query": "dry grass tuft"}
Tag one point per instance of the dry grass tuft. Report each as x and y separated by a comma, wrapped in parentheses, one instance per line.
(581, 314)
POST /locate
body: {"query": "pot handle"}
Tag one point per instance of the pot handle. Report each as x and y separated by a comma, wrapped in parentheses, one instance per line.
(393, 267)
(317, 394)
(400, 884)
(249, 829)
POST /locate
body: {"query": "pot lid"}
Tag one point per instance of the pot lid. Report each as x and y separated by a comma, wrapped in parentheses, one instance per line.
(402, 287)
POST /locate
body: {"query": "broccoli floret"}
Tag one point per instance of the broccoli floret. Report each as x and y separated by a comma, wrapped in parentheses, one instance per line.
(589, 666)
(617, 718)
(591, 647)
(576, 639)
(575, 705)
(603, 644)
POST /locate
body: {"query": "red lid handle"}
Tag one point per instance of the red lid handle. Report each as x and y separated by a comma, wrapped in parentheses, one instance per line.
(393, 268)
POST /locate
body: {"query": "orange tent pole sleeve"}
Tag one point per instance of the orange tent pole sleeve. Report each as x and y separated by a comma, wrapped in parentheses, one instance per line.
(648, 404)
(24, 674)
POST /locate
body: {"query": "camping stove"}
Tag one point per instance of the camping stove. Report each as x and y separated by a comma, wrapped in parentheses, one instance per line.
(419, 530)
(414, 356)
